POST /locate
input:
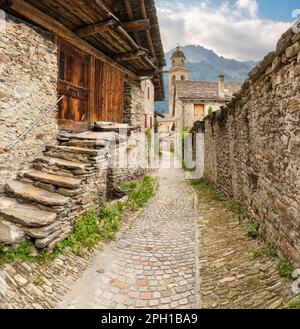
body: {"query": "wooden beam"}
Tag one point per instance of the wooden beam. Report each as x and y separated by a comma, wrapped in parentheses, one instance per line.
(40, 18)
(97, 28)
(148, 35)
(131, 17)
(150, 73)
(5, 4)
(139, 25)
(130, 56)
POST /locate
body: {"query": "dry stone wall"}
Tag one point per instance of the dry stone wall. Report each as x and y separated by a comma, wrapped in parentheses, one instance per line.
(252, 146)
(133, 115)
(28, 86)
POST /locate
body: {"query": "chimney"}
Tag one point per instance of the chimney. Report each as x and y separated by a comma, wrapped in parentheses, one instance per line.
(221, 86)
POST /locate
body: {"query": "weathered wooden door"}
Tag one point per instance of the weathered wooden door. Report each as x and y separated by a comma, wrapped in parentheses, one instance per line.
(109, 93)
(74, 68)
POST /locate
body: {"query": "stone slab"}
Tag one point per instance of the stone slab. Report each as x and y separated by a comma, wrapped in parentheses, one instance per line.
(10, 233)
(61, 162)
(29, 192)
(28, 215)
(56, 180)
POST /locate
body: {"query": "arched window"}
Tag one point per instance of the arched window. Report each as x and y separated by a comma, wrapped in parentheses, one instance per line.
(182, 61)
(173, 79)
(173, 62)
(182, 77)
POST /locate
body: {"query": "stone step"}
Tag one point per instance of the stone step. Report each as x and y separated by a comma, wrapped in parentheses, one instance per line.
(27, 191)
(61, 181)
(10, 233)
(110, 126)
(96, 136)
(87, 143)
(43, 232)
(75, 150)
(27, 215)
(76, 165)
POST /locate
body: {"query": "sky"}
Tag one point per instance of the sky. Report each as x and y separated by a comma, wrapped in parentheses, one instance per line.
(239, 29)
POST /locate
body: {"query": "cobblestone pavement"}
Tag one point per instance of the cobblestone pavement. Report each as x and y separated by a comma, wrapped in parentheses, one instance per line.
(157, 261)
(153, 263)
(231, 275)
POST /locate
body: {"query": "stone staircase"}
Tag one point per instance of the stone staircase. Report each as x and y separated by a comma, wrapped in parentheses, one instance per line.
(44, 202)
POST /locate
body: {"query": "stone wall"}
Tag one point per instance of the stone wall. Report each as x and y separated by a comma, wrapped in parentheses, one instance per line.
(133, 115)
(134, 105)
(252, 147)
(28, 83)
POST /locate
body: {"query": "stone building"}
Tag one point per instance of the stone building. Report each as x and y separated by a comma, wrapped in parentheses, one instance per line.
(177, 72)
(166, 123)
(192, 100)
(149, 94)
(70, 77)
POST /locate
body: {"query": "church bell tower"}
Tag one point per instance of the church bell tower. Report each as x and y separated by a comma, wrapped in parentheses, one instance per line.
(178, 71)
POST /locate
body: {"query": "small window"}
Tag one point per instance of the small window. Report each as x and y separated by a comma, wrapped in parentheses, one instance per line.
(173, 79)
(182, 77)
(199, 110)
(148, 92)
(182, 61)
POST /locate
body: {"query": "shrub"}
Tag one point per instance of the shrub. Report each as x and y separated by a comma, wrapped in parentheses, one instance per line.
(285, 269)
(252, 231)
(210, 110)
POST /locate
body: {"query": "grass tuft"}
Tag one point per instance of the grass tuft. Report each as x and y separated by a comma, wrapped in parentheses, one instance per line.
(295, 302)
(253, 231)
(127, 186)
(285, 269)
(205, 186)
(268, 249)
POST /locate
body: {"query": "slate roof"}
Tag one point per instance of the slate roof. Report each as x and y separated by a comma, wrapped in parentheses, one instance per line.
(191, 90)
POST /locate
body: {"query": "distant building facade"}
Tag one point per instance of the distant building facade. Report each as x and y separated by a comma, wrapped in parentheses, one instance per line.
(149, 94)
(190, 101)
(166, 123)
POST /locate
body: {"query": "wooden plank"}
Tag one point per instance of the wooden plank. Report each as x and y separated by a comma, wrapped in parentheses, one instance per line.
(32, 13)
(130, 56)
(97, 28)
(138, 25)
(91, 100)
(148, 35)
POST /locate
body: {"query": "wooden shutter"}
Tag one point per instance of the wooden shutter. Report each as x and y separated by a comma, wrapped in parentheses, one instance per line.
(199, 110)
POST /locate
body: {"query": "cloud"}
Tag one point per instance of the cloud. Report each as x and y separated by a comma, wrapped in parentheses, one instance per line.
(233, 30)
